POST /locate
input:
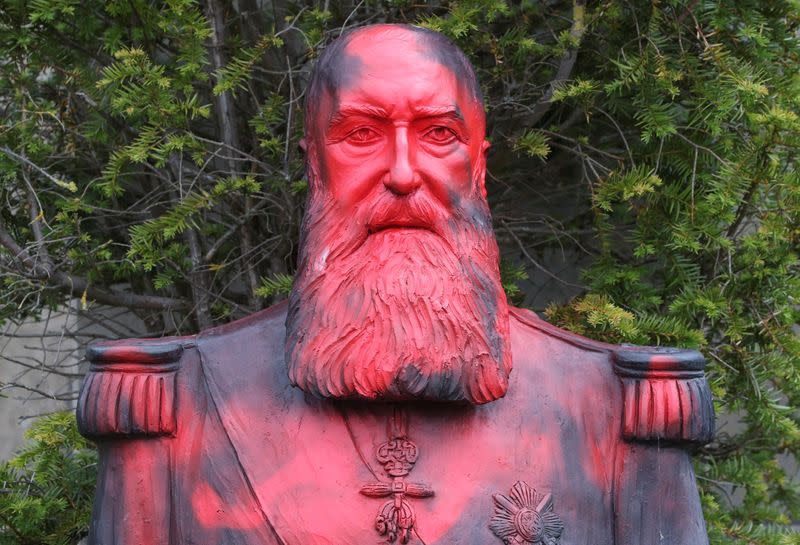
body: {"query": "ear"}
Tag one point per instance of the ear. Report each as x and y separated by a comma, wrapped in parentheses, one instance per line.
(480, 167)
(303, 145)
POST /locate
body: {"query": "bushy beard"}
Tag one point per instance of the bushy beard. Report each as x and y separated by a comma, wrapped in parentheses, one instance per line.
(398, 313)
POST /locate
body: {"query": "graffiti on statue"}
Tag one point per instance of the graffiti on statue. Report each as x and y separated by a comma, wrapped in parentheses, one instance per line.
(396, 397)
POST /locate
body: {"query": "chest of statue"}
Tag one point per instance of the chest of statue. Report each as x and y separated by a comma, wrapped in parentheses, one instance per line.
(234, 455)
(344, 473)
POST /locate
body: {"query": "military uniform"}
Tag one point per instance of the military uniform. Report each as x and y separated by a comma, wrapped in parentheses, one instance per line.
(203, 440)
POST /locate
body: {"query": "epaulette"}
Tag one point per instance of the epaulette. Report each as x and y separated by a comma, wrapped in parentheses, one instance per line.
(666, 395)
(130, 388)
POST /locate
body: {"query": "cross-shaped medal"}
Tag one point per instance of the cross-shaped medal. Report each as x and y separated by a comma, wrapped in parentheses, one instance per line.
(398, 456)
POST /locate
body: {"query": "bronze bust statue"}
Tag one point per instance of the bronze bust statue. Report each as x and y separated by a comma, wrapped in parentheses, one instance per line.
(396, 397)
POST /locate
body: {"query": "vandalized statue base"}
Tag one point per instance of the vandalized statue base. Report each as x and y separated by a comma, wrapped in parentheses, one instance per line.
(396, 398)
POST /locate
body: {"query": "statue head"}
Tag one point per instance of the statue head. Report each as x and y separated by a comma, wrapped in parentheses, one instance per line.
(398, 292)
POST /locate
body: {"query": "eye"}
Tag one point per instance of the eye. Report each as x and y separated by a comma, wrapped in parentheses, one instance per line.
(440, 135)
(363, 136)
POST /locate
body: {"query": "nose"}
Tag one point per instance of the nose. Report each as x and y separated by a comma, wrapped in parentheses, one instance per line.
(402, 178)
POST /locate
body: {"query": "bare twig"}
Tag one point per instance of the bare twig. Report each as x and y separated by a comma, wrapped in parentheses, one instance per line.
(25, 161)
(78, 286)
(535, 263)
(565, 66)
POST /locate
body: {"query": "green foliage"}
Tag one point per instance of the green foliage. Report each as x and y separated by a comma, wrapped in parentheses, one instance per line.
(149, 240)
(48, 486)
(654, 143)
(510, 275)
(534, 143)
(278, 284)
(698, 232)
(238, 69)
(596, 316)
(622, 187)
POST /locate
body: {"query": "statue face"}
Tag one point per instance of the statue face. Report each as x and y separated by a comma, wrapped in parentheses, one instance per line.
(398, 293)
(401, 123)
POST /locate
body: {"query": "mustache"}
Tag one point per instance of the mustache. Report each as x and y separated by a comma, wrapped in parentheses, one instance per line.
(416, 211)
(332, 231)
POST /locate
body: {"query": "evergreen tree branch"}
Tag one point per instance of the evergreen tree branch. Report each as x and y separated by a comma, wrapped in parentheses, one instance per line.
(741, 210)
(23, 540)
(535, 263)
(200, 292)
(565, 66)
(78, 286)
(688, 11)
(225, 114)
(25, 161)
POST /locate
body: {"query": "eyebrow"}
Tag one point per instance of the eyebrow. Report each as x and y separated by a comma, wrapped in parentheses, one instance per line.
(439, 111)
(377, 112)
(363, 110)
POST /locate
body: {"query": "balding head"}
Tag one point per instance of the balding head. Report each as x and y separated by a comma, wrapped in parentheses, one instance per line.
(341, 66)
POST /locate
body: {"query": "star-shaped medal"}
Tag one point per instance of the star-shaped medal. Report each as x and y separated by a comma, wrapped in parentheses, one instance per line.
(525, 517)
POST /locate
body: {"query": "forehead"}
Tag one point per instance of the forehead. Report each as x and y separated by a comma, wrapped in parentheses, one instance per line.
(397, 70)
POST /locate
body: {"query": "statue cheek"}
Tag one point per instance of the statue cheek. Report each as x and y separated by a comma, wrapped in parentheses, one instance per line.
(454, 175)
(351, 177)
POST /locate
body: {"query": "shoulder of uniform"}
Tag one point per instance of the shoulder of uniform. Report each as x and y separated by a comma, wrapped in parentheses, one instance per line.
(129, 389)
(529, 319)
(666, 396)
